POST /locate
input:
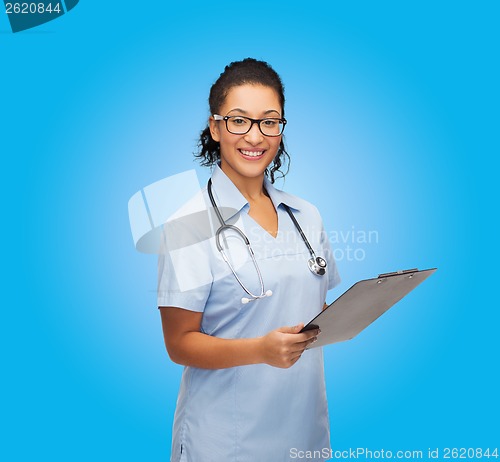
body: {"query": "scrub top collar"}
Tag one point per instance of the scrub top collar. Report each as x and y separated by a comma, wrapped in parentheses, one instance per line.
(228, 195)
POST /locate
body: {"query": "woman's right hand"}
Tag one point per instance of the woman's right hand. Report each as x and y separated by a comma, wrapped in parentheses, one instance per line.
(284, 346)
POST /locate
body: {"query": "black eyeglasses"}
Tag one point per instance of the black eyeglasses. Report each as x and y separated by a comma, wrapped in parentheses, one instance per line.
(240, 125)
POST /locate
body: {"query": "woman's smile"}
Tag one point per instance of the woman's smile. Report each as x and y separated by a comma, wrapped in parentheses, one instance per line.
(252, 154)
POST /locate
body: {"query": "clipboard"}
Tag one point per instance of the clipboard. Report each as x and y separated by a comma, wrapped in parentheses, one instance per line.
(362, 304)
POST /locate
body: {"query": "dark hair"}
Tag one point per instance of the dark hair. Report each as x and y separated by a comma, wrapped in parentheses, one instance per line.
(247, 71)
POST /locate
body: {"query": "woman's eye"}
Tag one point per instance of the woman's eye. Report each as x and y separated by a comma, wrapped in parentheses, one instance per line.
(239, 121)
(270, 122)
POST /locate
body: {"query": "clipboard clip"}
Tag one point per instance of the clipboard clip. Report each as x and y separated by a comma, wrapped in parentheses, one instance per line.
(395, 273)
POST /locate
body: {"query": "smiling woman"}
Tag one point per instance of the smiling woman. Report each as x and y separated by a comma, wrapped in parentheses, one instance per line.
(250, 391)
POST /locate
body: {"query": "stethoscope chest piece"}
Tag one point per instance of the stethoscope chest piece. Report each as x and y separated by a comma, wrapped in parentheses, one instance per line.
(317, 265)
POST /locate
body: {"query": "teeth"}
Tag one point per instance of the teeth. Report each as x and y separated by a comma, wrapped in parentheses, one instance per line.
(251, 153)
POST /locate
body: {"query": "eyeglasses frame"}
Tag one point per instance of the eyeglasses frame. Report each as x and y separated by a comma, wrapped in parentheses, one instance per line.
(253, 121)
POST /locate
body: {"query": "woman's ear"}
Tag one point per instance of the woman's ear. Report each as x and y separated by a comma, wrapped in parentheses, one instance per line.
(214, 129)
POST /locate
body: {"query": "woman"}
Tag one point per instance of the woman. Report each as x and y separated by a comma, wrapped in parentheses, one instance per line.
(250, 391)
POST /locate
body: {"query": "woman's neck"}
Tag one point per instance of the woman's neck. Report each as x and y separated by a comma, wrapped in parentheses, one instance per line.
(252, 188)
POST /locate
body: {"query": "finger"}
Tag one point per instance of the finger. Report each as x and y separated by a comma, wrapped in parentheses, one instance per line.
(299, 326)
(306, 335)
(301, 346)
(291, 329)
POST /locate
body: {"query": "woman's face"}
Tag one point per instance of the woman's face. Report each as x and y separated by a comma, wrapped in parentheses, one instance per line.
(247, 156)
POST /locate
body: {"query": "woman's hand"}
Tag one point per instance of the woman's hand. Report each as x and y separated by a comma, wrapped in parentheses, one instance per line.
(284, 346)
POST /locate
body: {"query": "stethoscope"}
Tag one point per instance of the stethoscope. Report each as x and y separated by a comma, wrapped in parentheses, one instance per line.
(317, 265)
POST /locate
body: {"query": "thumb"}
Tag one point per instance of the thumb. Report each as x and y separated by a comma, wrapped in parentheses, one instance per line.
(291, 329)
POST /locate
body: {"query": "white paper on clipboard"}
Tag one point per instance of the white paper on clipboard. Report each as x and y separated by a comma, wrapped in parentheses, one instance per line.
(362, 304)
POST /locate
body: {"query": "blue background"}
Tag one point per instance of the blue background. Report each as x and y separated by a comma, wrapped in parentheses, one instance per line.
(393, 127)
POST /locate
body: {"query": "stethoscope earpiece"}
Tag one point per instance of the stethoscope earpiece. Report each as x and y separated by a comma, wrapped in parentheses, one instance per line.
(316, 264)
(246, 300)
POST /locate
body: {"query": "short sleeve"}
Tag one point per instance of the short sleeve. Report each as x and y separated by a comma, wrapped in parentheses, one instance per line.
(332, 271)
(184, 270)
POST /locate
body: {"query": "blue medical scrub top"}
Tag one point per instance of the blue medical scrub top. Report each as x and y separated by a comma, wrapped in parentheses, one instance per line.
(256, 412)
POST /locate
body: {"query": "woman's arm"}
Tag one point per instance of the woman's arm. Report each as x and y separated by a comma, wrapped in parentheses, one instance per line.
(188, 346)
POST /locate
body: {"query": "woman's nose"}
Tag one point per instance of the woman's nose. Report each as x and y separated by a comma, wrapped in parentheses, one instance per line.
(254, 136)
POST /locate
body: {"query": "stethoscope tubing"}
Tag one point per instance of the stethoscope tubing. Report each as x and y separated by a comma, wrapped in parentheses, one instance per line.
(313, 262)
(252, 255)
